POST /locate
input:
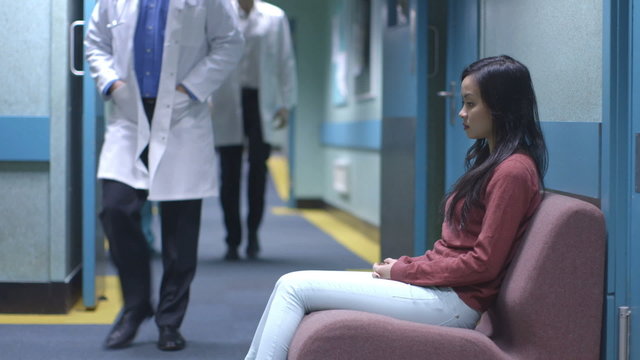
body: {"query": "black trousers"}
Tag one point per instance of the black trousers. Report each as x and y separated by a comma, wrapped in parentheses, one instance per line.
(180, 224)
(231, 171)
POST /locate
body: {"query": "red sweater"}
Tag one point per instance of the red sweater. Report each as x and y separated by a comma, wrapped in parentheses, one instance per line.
(473, 260)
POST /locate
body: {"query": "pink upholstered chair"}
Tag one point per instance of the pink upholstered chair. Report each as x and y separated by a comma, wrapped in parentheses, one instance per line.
(549, 306)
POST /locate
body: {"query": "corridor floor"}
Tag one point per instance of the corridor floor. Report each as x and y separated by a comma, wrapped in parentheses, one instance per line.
(227, 298)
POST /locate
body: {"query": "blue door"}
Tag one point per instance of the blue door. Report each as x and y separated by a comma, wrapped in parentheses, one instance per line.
(634, 170)
(403, 183)
(620, 186)
(462, 49)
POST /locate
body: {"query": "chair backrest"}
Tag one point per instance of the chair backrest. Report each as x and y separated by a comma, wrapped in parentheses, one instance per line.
(550, 303)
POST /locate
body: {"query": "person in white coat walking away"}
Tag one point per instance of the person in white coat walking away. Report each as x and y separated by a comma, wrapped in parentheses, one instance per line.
(254, 102)
(157, 61)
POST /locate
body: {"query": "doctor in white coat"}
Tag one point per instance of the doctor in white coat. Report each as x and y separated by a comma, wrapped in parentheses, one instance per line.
(247, 109)
(157, 61)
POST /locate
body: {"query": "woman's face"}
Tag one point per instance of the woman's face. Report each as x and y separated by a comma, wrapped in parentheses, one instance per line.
(475, 114)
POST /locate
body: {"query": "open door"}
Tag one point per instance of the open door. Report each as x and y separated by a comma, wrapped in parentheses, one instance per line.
(404, 136)
(462, 49)
(423, 143)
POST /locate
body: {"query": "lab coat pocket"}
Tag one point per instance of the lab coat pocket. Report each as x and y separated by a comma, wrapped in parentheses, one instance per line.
(124, 102)
(181, 104)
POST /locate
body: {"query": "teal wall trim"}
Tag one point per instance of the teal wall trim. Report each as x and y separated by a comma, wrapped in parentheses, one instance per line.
(574, 157)
(353, 134)
(574, 150)
(24, 138)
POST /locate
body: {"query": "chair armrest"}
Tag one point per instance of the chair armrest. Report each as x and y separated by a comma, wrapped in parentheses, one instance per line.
(354, 335)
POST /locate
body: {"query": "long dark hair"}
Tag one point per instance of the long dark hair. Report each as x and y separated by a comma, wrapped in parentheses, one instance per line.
(506, 88)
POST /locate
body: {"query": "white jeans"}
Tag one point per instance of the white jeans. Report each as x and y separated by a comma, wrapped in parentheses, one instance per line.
(299, 293)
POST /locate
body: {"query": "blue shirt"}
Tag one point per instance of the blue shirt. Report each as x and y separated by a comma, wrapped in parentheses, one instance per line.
(148, 45)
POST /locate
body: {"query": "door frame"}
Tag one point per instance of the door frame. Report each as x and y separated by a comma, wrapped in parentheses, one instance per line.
(91, 286)
(463, 39)
(617, 165)
(403, 154)
(420, 21)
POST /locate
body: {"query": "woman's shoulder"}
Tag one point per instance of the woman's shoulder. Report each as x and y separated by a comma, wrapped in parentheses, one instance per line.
(517, 165)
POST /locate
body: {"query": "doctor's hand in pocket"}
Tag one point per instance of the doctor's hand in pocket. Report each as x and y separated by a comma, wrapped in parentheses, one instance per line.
(115, 86)
(280, 119)
(182, 89)
(124, 103)
(181, 102)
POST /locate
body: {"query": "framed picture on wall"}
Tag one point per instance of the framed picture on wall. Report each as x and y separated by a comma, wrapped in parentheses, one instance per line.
(339, 56)
(361, 48)
(398, 13)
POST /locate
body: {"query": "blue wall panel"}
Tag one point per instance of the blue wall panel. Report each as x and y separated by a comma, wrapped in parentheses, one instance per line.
(574, 150)
(353, 134)
(24, 138)
(574, 157)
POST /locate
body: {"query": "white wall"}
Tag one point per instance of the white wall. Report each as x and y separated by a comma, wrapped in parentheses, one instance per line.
(24, 64)
(363, 200)
(34, 239)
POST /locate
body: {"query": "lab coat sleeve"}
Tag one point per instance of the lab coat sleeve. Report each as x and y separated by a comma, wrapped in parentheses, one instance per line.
(287, 66)
(225, 49)
(99, 51)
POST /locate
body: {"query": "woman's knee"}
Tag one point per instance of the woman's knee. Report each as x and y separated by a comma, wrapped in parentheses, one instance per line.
(295, 282)
(291, 278)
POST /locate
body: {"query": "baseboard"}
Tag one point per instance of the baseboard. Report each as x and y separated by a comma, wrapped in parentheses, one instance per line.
(310, 204)
(40, 298)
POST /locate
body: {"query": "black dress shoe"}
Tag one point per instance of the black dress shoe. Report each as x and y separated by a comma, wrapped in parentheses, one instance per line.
(170, 339)
(253, 248)
(231, 255)
(123, 332)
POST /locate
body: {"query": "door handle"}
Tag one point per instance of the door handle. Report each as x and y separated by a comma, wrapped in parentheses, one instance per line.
(450, 94)
(72, 48)
(624, 312)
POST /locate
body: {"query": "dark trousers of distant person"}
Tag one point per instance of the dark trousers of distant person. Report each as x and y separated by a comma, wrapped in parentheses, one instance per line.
(230, 177)
(180, 226)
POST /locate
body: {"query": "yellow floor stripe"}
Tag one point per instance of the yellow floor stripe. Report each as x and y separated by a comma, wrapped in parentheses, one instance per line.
(105, 312)
(344, 234)
(347, 236)
(279, 169)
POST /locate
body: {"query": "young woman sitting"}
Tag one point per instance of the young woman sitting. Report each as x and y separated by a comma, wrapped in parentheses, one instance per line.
(485, 214)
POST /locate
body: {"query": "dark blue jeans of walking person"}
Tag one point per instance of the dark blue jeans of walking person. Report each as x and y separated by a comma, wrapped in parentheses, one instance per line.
(231, 165)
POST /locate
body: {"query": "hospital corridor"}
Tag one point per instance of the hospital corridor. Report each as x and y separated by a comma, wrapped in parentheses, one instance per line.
(320, 179)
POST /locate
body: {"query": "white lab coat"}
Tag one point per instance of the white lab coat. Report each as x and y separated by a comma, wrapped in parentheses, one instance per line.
(202, 46)
(278, 81)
